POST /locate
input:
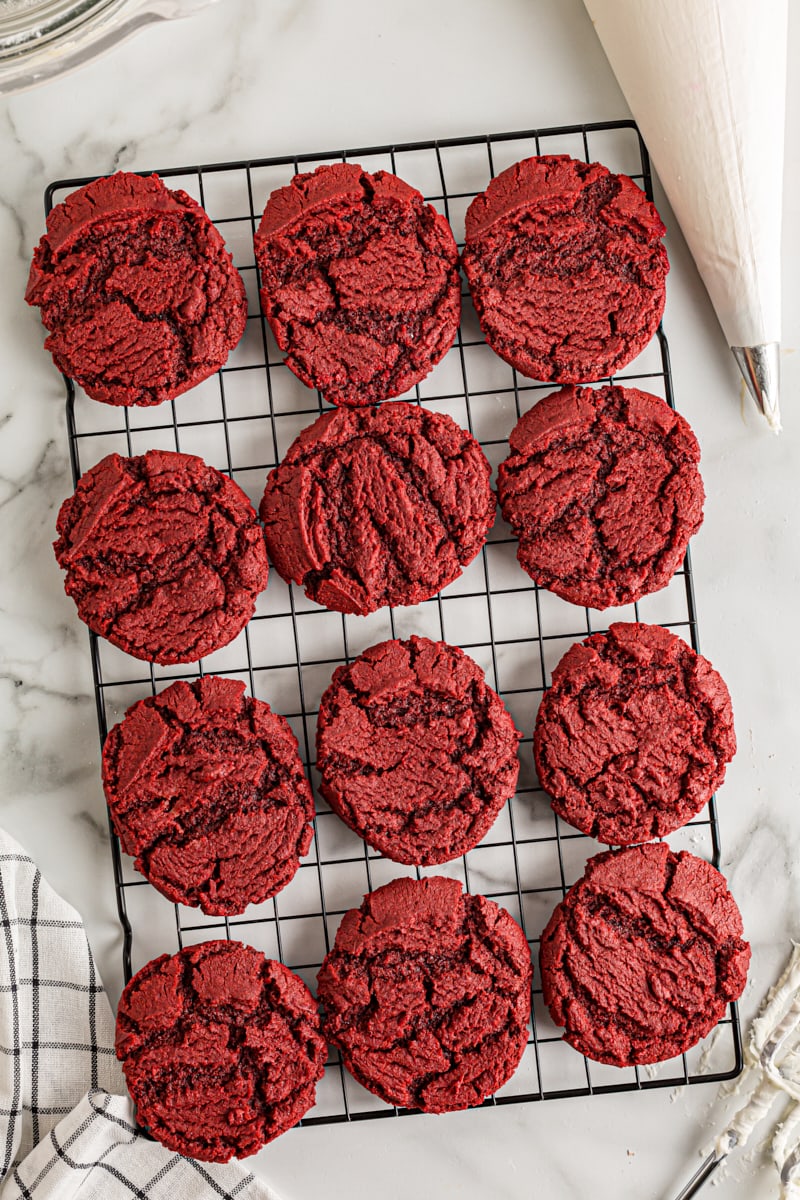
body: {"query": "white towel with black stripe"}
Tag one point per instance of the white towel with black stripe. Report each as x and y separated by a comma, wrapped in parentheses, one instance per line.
(67, 1129)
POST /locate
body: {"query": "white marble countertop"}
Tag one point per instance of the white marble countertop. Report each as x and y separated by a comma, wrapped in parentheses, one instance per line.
(250, 79)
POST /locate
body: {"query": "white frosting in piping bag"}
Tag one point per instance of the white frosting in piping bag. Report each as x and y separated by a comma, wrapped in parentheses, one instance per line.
(706, 82)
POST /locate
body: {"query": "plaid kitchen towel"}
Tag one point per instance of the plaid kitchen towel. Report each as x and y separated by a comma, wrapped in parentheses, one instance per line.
(67, 1129)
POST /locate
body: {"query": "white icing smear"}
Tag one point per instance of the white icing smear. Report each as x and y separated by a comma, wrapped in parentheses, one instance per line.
(772, 1074)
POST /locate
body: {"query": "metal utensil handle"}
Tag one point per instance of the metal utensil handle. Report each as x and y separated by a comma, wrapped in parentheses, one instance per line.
(704, 1172)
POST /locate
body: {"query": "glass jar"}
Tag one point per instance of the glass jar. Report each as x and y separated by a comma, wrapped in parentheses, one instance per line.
(42, 38)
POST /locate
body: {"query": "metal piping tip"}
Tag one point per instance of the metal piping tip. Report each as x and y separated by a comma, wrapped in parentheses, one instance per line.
(761, 368)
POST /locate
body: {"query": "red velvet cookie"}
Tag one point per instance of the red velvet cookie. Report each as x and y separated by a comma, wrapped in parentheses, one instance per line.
(415, 751)
(137, 289)
(163, 554)
(427, 994)
(221, 1049)
(566, 268)
(634, 735)
(602, 489)
(642, 956)
(206, 790)
(377, 506)
(359, 282)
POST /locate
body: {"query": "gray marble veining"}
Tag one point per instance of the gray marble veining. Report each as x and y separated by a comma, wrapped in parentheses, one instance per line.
(249, 79)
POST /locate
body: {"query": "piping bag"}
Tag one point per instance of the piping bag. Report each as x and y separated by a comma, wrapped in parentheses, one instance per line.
(706, 83)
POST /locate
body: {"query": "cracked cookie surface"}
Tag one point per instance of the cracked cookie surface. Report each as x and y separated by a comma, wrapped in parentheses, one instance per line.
(641, 958)
(163, 555)
(602, 489)
(566, 268)
(415, 751)
(207, 792)
(634, 735)
(427, 994)
(139, 294)
(359, 282)
(375, 506)
(221, 1049)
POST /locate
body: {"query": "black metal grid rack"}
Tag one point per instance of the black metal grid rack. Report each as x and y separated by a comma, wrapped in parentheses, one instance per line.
(242, 420)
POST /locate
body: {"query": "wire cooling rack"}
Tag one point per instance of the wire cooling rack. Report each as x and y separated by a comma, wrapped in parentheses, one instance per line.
(242, 421)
